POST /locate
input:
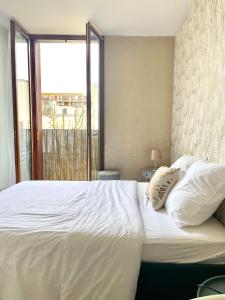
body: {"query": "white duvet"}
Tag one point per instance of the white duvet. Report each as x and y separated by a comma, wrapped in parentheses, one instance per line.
(70, 241)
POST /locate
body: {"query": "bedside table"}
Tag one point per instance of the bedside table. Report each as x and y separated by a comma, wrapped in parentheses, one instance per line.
(148, 173)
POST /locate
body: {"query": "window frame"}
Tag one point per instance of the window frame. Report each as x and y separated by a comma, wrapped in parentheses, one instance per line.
(14, 27)
(90, 28)
(35, 103)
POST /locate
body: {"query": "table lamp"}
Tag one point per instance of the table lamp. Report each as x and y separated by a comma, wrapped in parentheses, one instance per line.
(156, 156)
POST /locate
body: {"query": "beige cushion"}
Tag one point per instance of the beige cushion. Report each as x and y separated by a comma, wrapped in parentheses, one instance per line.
(220, 213)
(160, 185)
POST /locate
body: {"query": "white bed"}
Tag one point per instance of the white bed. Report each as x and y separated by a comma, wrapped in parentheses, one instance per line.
(165, 242)
(83, 240)
(70, 241)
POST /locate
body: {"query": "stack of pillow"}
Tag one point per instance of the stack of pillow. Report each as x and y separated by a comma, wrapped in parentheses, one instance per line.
(191, 190)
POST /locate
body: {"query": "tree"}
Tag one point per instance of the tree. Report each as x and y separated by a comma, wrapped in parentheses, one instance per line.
(52, 115)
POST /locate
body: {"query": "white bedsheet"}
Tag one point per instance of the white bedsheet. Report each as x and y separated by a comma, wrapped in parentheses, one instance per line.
(165, 242)
(70, 241)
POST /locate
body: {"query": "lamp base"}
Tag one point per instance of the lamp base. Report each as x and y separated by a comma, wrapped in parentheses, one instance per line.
(155, 166)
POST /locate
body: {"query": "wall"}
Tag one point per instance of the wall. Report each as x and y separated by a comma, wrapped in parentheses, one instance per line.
(199, 83)
(7, 167)
(138, 101)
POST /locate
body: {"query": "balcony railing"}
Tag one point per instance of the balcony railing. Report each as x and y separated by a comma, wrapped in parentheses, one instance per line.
(65, 154)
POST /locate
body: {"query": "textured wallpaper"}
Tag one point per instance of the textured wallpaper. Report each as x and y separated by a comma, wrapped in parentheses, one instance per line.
(198, 126)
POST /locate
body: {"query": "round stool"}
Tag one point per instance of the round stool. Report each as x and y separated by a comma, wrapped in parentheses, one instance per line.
(109, 175)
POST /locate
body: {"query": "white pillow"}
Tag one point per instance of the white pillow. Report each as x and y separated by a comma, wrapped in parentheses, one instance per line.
(198, 194)
(183, 163)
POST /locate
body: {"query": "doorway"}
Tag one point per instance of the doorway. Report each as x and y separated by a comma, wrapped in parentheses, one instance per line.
(66, 104)
(64, 114)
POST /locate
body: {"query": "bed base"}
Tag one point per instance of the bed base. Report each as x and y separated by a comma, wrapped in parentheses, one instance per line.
(165, 281)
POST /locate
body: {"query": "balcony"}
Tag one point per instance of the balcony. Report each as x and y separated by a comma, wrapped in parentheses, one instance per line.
(65, 154)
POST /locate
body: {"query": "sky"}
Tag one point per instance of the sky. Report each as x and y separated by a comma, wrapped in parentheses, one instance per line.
(63, 66)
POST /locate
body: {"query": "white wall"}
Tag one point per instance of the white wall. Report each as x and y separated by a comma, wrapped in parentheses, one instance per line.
(7, 165)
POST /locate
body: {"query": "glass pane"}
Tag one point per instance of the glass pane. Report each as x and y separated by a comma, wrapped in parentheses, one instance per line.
(64, 119)
(95, 101)
(23, 106)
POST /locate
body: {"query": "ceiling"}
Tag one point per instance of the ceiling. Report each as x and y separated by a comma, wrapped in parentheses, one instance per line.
(113, 17)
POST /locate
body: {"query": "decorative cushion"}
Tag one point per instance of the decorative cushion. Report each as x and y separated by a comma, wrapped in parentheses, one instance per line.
(160, 185)
(220, 213)
(197, 195)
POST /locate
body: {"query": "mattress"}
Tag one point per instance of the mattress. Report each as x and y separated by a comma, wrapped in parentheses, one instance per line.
(165, 242)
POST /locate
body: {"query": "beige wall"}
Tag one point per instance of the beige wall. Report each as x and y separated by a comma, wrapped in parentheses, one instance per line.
(199, 83)
(138, 101)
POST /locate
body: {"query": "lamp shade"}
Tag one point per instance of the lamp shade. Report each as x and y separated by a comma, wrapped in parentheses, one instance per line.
(155, 154)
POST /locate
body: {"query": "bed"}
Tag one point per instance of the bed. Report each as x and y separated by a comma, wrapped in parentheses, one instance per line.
(175, 260)
(88, 240)
(70, 240)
